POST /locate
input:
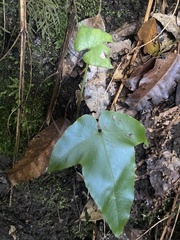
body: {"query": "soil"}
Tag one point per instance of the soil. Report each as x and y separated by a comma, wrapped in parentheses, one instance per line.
(49, 207)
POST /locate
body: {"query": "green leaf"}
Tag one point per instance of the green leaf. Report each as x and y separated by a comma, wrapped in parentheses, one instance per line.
(106, 152)
(89, 37)
(98, 56)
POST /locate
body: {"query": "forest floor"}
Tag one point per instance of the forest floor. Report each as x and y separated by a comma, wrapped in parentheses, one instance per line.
(50, 206)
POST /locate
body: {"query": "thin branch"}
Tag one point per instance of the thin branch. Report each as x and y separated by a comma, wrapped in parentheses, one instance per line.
(175, 222)
(60, 67)
(152, 228)
(170, 218)
(23, 32)
(148, 10)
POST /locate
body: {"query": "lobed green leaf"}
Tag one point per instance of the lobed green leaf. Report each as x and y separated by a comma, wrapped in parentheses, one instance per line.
(98, 56)
(89, 37)
(105, 149)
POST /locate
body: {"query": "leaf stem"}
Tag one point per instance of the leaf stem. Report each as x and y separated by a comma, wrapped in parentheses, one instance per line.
(82, 90)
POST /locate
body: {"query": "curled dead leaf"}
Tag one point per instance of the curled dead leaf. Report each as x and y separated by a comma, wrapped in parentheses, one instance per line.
(91, 212)
(146, 33)
(127, 29)
(157, 84)
(137, 74)
(36, 158)
(169, 22)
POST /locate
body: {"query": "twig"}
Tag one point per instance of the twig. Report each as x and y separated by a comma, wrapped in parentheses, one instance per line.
(124, 65)
(14, 43)
(23, 33)
(151, 228)
(159, 34)
(150, 3)
(82, 89)
(10, 196)
(138, 45)
(148, 10)
(177, 215)
(117, 95)
(170, 218)
(100, 7)
(60, 68)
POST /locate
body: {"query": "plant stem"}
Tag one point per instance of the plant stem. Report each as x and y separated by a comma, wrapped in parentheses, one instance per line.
(82, 90)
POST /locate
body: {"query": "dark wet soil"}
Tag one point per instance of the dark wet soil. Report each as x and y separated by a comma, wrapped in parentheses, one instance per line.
(50, 206)
(47, 208)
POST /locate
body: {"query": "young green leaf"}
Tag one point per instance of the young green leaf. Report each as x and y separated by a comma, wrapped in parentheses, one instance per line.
(106, 152)
(89, 37)
(98, 56)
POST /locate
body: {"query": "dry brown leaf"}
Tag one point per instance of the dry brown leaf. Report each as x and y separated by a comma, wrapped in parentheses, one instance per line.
(133, 81)
(95, 96)
(127, 29)
(119, 48)
(91, 211)
(178, 94)
(121, 69)
(146, 33)
(157, 84)
(36, 158)
(163, 163)
(169, 22)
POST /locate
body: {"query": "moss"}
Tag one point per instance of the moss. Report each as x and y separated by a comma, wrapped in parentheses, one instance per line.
(85, 10)
(46, 23)
(117, 12)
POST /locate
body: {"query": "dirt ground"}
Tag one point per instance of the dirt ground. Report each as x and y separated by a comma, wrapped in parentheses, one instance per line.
(49, 207)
